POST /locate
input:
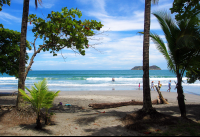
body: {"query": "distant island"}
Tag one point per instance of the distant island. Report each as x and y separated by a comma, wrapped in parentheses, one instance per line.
(154, 67)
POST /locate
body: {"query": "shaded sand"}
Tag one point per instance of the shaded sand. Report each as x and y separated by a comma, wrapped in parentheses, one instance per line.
(79, 119)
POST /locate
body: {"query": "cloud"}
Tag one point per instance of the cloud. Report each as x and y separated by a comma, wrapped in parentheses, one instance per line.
(123, 22)
(9, 18)
(96, 5)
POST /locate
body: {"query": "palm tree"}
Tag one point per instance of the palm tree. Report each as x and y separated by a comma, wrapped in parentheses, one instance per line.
(146, 89)
(21, 78)
(183, 39)
(40, 97)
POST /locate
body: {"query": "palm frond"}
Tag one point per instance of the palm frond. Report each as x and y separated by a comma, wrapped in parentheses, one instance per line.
(162, 48)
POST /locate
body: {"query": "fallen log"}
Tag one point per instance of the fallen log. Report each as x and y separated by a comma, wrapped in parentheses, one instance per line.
(119, 104)
(160, 96)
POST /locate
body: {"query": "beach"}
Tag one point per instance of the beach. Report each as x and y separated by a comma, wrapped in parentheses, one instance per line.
(79, 119)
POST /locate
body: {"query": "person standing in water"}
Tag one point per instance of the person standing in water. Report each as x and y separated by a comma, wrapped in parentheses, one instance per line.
(113, 79)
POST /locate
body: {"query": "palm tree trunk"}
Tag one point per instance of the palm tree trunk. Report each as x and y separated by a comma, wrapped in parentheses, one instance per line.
(38, 124)
(181, 97)
(146, 87)
(21, 78)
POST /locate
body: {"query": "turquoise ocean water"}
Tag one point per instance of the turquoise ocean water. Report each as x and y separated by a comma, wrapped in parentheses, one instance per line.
(95, 80)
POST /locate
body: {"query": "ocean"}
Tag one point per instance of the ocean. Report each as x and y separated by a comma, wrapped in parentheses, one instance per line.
(97, 80)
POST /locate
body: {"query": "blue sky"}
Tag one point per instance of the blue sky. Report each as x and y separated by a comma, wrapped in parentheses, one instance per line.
(119, 48)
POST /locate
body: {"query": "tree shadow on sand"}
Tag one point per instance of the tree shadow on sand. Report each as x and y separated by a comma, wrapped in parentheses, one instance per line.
(67, 109)
(136, 122)
(32, 127)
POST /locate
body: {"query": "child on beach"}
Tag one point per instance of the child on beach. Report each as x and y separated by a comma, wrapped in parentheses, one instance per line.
(169, 85)
(139, 86)
(152, 85)
(159, 85)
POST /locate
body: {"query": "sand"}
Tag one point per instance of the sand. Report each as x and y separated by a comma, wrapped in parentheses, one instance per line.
(81, 120)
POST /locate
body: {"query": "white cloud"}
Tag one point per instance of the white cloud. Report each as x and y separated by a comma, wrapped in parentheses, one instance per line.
(97, 5)
(9, 18)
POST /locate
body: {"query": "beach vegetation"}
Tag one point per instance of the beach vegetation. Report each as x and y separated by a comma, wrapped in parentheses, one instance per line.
(21, 73)
(60, 30)
(184, 9)
(4, 2)
(10, 50)
(40, 97)
(182, 49)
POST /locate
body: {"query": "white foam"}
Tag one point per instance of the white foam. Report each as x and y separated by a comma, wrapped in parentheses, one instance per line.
(8, 78)
(91, 85)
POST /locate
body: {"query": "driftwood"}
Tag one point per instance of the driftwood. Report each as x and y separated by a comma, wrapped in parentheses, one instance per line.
(119, 104)
(160, 96)
(160, 100)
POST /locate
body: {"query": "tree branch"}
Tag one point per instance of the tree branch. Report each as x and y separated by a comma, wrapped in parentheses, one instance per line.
(31, 61)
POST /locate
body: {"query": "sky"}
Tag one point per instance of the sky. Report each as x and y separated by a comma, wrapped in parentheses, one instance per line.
(118, 47)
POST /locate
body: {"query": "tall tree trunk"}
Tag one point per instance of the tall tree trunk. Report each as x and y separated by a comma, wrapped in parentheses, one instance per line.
(21, 78)
(181, 97)
(146, 87)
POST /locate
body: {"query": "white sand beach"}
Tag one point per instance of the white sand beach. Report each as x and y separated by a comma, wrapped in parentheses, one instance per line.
(80, 120)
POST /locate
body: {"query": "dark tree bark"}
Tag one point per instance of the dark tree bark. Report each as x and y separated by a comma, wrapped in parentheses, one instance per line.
(146, 88)
(181, 97)
(21, 78)
(38, 123)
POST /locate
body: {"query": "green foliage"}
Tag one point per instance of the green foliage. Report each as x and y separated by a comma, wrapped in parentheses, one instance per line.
(61, 29)
(40, 96)
(193, 73)
(185, 9)
(10, 51)
(4, 2)
(183, 40)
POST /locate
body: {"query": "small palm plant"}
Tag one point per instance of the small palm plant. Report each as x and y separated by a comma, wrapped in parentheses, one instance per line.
(40, 97)
(48, 101)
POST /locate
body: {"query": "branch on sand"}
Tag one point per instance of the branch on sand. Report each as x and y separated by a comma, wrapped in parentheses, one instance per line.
(160, 96)
(119, 104)
(160, 100)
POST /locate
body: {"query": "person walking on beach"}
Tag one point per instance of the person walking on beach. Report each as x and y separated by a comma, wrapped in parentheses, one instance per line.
(169, 85)
(152, 85)
(139, 86)
(159, 85)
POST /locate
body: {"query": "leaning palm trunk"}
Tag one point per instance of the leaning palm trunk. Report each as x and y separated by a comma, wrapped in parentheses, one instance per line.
(146, 89)
(21, 78)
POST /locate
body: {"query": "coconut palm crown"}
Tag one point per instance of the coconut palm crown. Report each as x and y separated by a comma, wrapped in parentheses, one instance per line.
(182, 50)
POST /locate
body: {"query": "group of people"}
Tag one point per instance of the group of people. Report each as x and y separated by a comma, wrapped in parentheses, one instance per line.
(160, 85)
(152, 85)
